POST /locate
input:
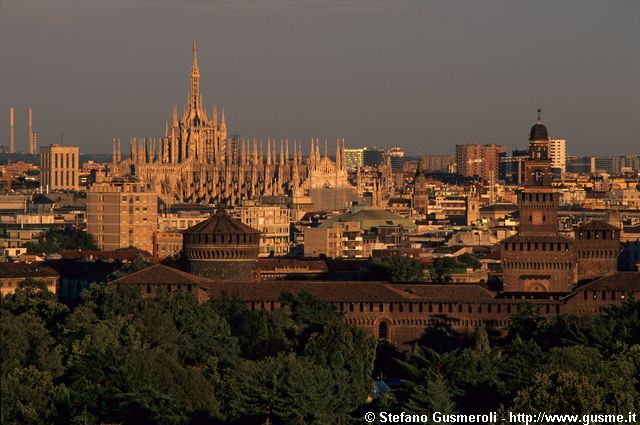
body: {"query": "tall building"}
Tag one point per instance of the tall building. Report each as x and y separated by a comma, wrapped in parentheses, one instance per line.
(582, 165)
(432, 163)
(196, 161)
(479, 160)
(538, 258)
(558, 154)
(59, 168)
(396, 156)
(354, 157)
(121, 214)
(511, 168)
(372, 157)
(273, 223)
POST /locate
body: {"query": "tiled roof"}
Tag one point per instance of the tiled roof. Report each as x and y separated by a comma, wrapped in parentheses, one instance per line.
(499, 207)
(372, 217)
(597, 225)
(120, 254)
(221, 223)
(554, 238)
(331, 291)
(621, 281)
(161, 275)
(25, 270)
(458, 292)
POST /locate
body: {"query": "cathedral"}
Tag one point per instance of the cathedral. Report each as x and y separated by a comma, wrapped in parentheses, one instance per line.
(197, 162)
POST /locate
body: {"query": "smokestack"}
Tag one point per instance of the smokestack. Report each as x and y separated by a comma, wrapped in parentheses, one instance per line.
(12, 142)
(30, 146)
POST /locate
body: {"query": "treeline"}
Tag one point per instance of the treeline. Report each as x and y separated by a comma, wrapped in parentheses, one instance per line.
(565, 366)
(120, 358)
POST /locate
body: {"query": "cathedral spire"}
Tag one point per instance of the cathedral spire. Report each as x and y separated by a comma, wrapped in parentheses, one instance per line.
(194, 96)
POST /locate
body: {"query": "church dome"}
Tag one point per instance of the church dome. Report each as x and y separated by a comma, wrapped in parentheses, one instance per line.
(222, 248)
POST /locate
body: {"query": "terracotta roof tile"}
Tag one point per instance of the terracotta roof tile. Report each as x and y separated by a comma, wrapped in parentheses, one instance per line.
(221, 223)
(161, 275)
(25, 270)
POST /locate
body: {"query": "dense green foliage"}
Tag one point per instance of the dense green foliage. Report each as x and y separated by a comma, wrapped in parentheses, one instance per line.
(121, 358)
(397, 268)
(57, 240)
(564, 366)
(444, 266)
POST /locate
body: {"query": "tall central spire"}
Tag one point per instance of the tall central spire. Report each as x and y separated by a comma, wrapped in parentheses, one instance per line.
(194, 96)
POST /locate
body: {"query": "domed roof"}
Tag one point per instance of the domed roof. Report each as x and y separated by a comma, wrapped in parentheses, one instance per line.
(539, 130)
(221, 224)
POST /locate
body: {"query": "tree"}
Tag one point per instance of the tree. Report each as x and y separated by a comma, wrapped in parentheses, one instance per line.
(57, 240)
(527, 322)
(397, 268)
(443, 267)
(469, 260)
(558, 393)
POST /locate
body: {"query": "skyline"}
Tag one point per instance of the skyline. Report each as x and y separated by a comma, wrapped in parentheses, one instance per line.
(463, 73)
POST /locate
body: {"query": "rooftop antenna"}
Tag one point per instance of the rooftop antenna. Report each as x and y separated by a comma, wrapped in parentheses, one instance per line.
(539, 115)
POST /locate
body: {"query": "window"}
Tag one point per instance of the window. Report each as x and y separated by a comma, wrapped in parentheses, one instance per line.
(383, 330)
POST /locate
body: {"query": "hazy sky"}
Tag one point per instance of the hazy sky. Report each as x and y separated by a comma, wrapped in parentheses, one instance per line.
(420, 74)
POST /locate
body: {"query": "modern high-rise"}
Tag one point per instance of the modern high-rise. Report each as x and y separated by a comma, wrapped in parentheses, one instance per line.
(479, 160)
(558, 154)
(432, 163)
(372, 157)
(396, 157)
(354, 157)
(121, 214)
(59, 168)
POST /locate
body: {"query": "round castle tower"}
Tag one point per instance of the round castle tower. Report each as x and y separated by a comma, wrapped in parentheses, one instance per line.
(222, 248)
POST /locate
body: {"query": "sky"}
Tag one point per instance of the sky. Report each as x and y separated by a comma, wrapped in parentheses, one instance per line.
(421, 74)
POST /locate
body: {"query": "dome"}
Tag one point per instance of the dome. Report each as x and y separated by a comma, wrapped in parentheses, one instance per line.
(538, 132)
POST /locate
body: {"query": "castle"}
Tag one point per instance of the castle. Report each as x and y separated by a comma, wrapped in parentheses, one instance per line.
(196, 160)
(539, 258)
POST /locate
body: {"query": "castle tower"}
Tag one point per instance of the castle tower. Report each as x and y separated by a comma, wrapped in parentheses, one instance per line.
(222, 248)
(538, 258)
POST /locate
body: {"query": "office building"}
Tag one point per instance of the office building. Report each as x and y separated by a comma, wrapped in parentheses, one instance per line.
(59, 168)
(475, 160)
(272, 222)
(558, 154)
(122, 214)
(354, 157)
